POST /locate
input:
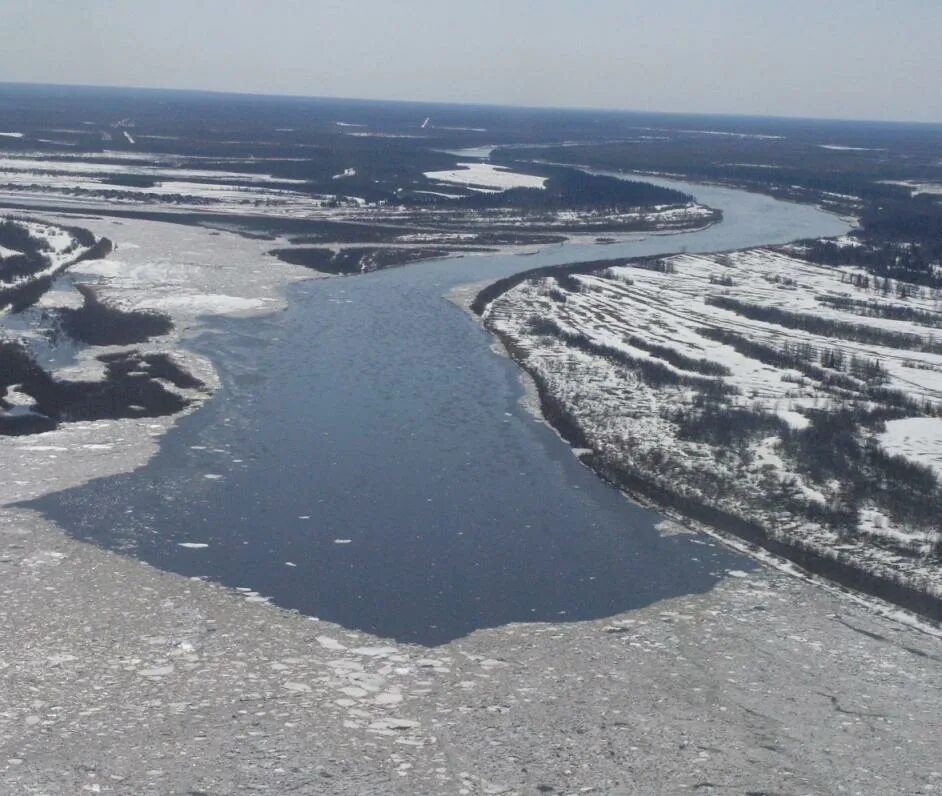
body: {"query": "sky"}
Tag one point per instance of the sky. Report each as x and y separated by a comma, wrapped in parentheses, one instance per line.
(858, 59)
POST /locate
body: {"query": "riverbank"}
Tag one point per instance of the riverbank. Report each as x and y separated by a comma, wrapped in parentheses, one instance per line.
(615, 366)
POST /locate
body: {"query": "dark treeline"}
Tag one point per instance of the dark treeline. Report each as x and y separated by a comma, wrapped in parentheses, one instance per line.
(617, 472)
(725, 426)
(705, 367)
(129, 389)
(881, 309)
(571, 189)
(861, 383)
(16, 236)
(97, 323)
(908, 262)
(559, 272)
(13, 235)
(652, 372)
(831, 448)
(24, 295)
(17, 267)
(798, 357)
(815, 324)
(31, 257)
(354, 260)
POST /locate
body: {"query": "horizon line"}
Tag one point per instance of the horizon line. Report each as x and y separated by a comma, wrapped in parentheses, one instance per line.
(467, 104)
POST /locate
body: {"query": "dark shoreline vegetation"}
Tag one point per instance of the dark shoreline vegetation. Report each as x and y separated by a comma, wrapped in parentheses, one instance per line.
(99, 324)
(355, 260)
(131, 388)
(24, 295)
(132, 384)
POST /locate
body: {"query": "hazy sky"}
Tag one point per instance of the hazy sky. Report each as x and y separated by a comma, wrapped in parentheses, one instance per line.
(875, 59)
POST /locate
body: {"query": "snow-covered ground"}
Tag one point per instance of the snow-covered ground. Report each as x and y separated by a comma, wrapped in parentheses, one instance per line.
(844, 148)
(161, 183)
(917, 188)
(188, 273)
(82, 180)
(917, 438)
(630, 317)
(59, 249)
(486, 175)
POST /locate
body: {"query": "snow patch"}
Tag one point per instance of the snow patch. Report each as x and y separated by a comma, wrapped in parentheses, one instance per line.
(487, 175)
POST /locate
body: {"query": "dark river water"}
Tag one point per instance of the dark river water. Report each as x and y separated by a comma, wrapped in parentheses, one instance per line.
(370, 464)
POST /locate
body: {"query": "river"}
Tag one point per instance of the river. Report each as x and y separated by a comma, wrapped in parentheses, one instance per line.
(368, 461)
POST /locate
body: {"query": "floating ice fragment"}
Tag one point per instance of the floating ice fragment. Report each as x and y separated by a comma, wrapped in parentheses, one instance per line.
(394, 724)
(374, 652)
(157, 671)
(390, 697)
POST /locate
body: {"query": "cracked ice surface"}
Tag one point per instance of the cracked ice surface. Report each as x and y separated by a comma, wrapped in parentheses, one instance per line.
(118, 676)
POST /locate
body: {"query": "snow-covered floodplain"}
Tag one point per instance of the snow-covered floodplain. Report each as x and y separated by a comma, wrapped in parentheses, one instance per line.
(142, 182)
(109, 177)
(58, 247)
(917, 438)
(720, 378)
